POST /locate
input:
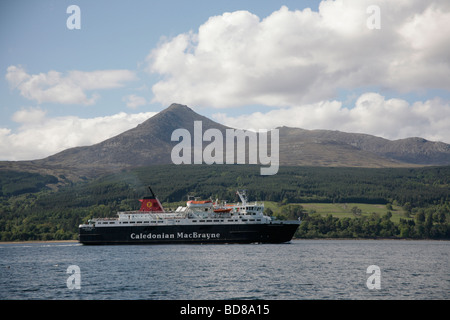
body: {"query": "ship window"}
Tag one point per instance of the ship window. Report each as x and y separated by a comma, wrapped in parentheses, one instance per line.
(125, 222)
(202, 221)
(244, 219)
(146, 221)
(251, 220)
(153, 221)
(111, 222)
(258, 219)
(216, 220)
(194, 220)
(160, 221)
(139, 222)
(208, 220)
(230, 220)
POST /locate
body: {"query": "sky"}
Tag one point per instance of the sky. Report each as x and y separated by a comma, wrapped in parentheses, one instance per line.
(75, 78)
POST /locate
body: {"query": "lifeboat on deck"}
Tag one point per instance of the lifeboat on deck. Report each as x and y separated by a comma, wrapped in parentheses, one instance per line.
(199, 204)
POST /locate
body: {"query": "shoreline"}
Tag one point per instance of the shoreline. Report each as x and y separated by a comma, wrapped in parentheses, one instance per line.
(296, 239)
(38, 241)
(403, 239)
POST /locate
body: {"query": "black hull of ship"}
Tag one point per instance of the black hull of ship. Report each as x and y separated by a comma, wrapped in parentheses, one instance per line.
(188, 234)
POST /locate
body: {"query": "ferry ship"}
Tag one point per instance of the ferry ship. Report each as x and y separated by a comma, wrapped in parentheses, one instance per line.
(200, 221)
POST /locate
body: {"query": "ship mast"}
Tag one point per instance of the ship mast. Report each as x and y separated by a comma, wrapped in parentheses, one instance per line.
(243, 196)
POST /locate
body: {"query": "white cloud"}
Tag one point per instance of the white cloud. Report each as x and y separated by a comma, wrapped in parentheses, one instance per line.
(371, 114)
(292, 58)
(29, 116)
(133, 101)
(40, 136)
(69, 88)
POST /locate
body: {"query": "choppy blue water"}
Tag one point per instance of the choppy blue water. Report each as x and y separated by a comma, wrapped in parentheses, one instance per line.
(302, 269)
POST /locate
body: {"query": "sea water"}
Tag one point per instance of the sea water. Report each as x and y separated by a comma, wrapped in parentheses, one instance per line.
(299, 270)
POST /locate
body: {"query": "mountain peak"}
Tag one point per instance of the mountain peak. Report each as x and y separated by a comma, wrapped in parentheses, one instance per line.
(180, 116)
(174, 114)
(177, 106)
(148, 143)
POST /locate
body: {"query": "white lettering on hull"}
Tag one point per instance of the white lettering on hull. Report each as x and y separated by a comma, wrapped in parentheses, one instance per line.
(178, 235)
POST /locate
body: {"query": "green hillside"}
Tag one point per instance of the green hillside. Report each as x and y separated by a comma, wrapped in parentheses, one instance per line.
(332, 202)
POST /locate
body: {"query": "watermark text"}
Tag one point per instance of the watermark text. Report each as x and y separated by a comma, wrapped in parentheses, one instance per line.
(374, 280)
(374, 20)
(74, 280)
(235, 150)
(74, 20)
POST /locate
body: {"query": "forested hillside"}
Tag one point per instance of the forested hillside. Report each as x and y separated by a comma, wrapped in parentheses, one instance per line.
(31, 211)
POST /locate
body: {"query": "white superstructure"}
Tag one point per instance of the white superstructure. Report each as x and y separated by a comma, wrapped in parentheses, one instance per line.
(195, 212)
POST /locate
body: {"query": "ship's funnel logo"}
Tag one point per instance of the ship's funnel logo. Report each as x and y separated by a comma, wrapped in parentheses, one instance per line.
(253, 152)
(151, 204)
